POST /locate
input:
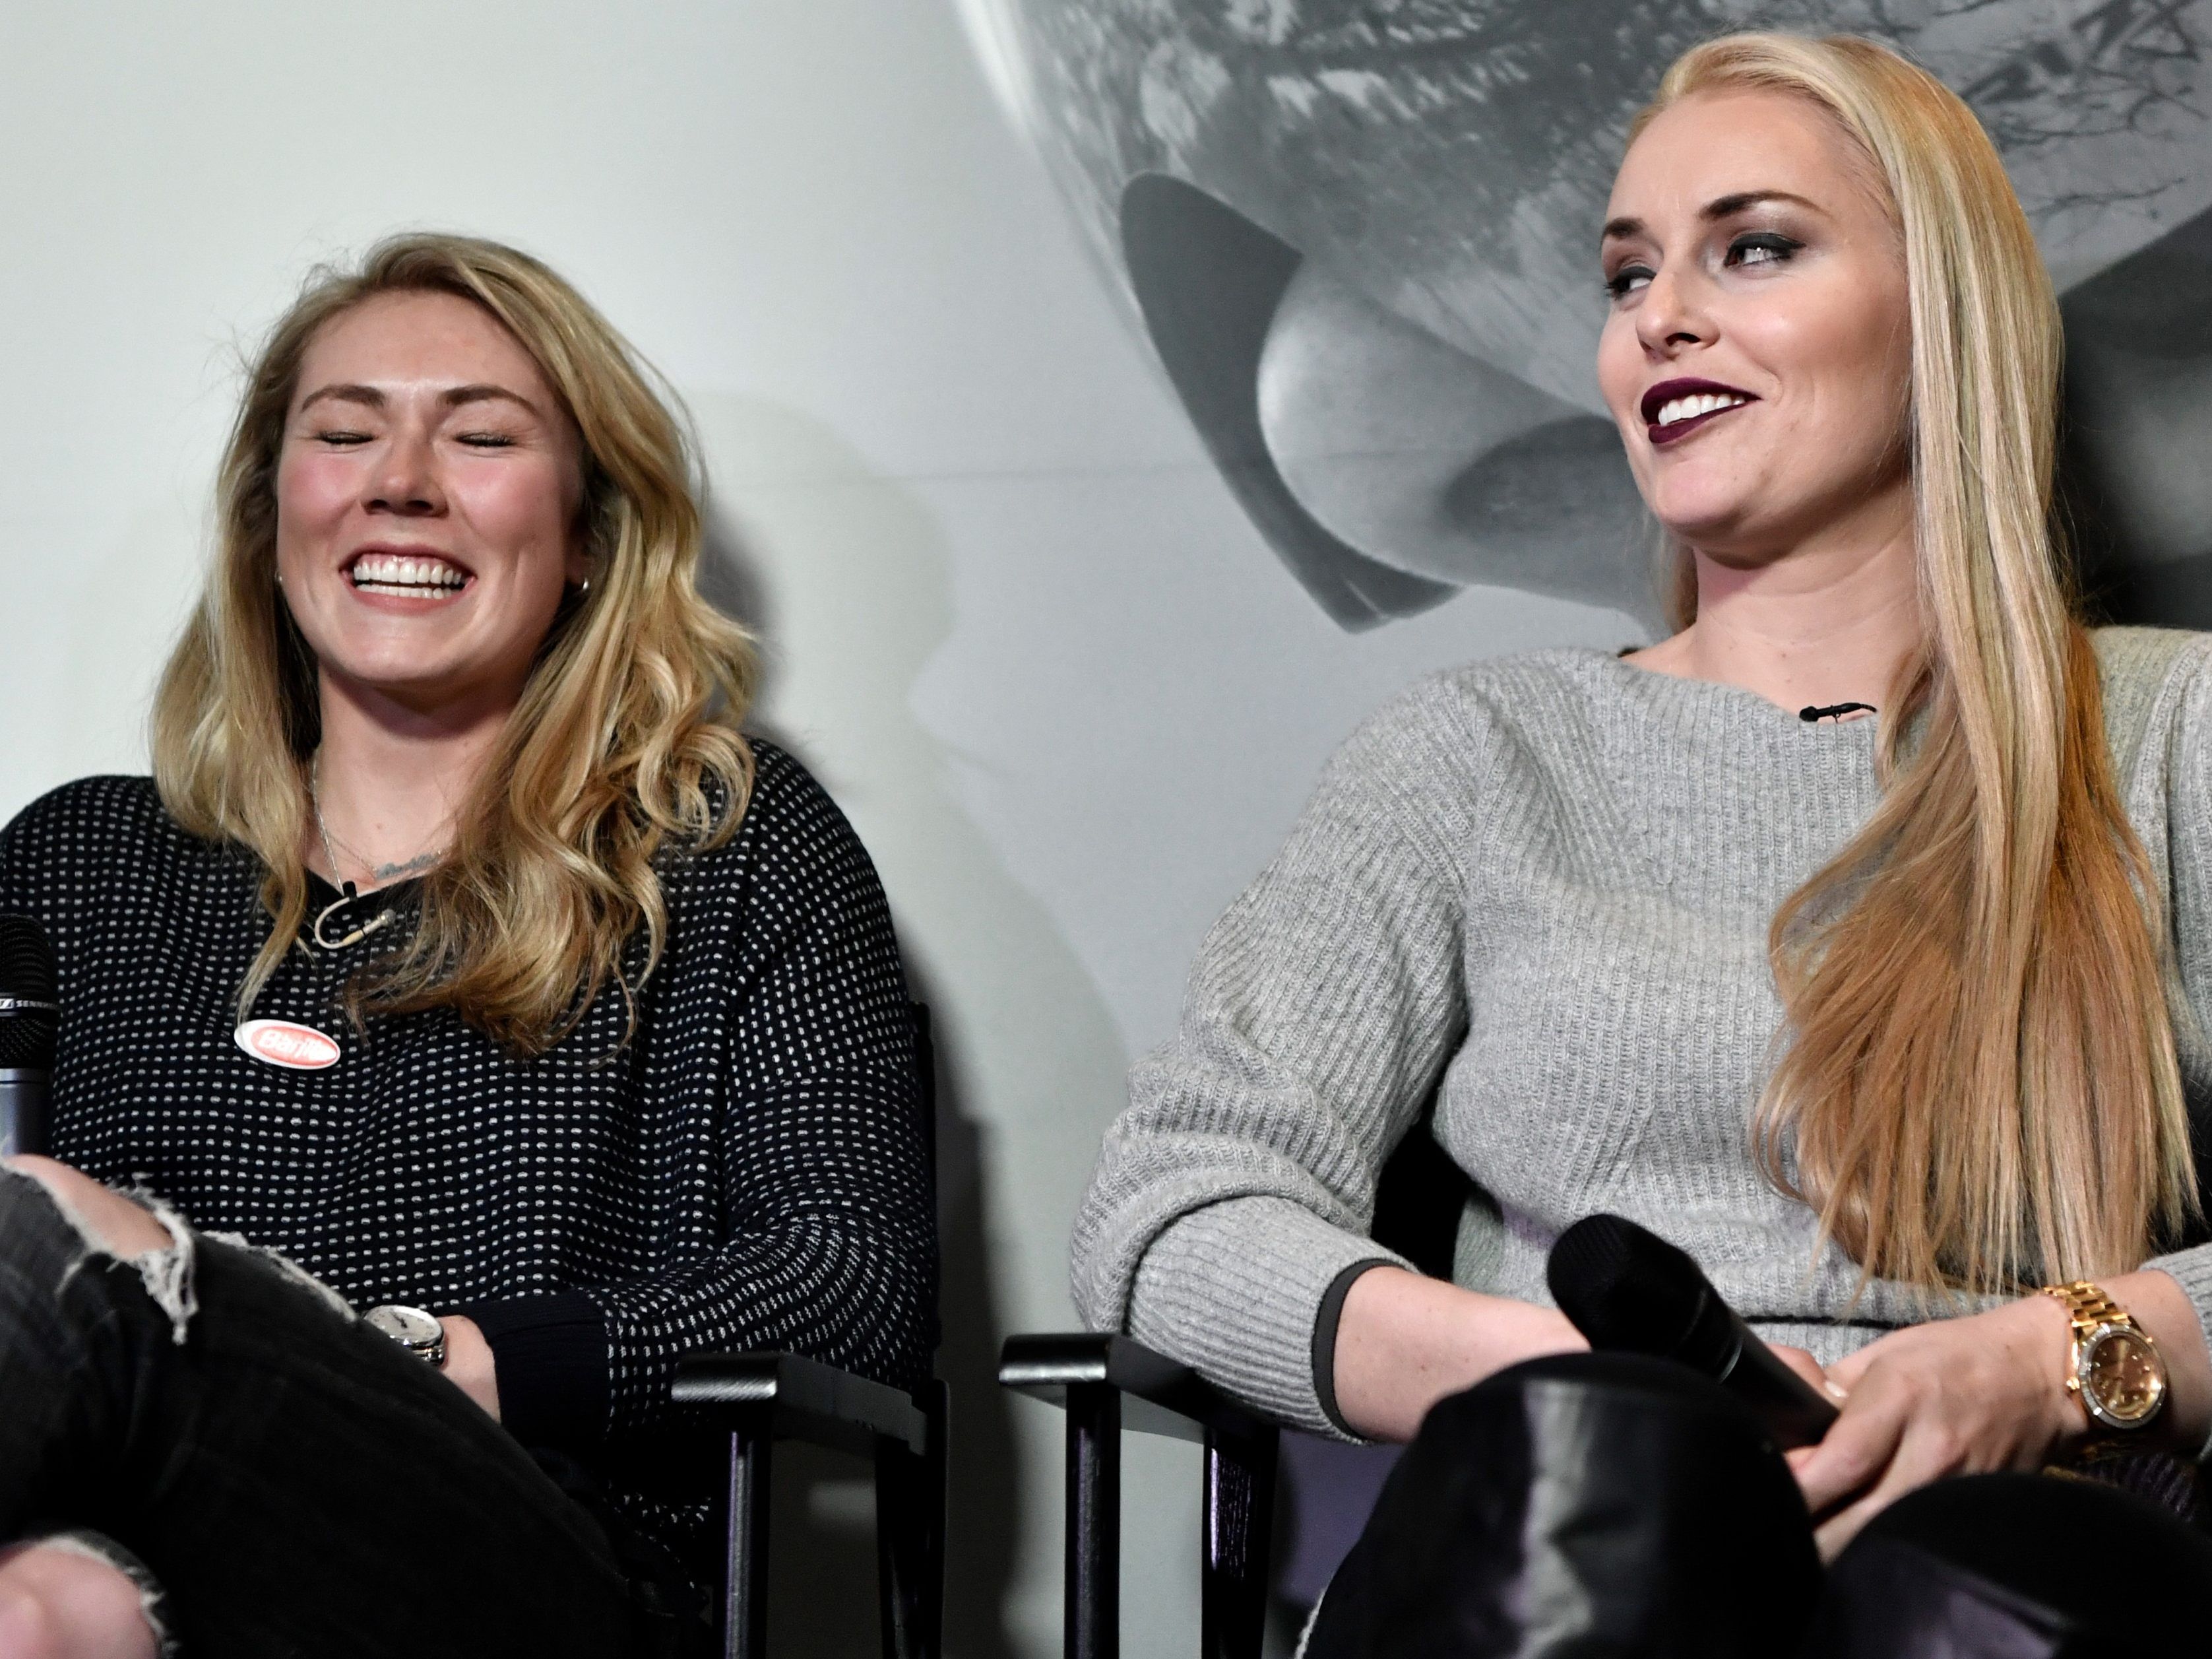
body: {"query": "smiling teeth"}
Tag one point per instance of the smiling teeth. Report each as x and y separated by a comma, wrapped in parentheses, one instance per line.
(1704, 403)
(388, 573)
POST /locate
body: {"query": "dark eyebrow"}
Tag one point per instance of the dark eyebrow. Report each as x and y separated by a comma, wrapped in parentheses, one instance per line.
(1721, 207)
(461, 394)
(454, 397)
(367, 394)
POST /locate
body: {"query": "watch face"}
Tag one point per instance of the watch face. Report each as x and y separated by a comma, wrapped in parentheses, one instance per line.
(411, 1325)
(2123, 1378)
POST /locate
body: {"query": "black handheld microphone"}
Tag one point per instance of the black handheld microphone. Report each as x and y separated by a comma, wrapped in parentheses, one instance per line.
(1629, 1290)
(29, 1015)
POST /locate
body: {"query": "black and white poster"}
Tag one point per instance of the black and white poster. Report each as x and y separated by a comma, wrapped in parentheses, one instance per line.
(1360, 236)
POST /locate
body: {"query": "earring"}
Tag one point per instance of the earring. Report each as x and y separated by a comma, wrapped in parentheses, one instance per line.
(583, 587)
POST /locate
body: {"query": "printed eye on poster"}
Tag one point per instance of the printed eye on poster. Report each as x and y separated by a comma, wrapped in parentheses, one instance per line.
(1360, 237)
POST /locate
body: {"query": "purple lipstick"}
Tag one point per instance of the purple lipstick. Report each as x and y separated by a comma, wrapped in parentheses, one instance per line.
(1674, 409)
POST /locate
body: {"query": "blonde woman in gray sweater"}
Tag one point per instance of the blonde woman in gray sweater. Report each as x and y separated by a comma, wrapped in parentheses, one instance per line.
(1888, 1019)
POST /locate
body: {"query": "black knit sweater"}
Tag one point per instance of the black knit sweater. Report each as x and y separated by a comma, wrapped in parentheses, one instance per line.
(747, 1172)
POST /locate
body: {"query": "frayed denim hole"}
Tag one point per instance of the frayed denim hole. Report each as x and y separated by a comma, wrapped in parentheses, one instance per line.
(167, 1274)
(292, 1270)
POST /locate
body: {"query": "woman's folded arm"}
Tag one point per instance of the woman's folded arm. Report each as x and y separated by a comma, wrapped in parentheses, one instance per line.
(1239, 1185)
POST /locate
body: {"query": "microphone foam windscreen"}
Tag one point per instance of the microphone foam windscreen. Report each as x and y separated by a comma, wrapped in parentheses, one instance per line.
(1623, 1286)
(27, 971)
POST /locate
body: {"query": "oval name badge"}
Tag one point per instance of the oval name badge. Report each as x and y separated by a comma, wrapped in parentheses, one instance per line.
(281, 1042)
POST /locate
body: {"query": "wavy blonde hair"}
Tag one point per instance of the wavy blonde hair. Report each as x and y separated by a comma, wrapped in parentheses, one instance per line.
(624, 742)
(1978, 1088)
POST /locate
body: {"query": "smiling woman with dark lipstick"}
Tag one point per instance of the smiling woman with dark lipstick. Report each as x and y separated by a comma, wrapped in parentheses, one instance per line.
(1830, 936)
(462, 950)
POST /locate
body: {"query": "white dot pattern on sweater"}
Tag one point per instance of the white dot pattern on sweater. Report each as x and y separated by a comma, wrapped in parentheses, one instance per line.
(749, 1172)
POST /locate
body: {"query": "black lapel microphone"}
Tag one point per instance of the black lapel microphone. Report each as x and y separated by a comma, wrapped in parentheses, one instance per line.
(30, 1014)
(1630, 1291)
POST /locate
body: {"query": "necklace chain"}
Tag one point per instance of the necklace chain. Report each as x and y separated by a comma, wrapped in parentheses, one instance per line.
(414, 866)
(347, 891)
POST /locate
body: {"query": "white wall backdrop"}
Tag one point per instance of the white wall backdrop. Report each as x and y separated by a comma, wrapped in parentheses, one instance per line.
(1018, 625)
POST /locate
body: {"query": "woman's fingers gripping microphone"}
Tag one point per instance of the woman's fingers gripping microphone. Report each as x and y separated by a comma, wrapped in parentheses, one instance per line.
(1802, 1363)
(1962, 1396)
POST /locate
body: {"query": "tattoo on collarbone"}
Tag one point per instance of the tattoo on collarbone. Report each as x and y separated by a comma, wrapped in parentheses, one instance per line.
(414, 866)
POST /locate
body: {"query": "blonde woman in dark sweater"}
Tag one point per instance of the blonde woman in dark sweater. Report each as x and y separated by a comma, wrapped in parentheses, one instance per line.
(463, 952)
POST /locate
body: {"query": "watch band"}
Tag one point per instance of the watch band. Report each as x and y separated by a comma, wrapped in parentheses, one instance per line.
(2095, 1319)
(419, 1331)
(2090, 1309)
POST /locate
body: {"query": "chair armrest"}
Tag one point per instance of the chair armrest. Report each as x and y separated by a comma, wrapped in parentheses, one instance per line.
(801, 1399)
(1107, 1383)
(1161, 1396)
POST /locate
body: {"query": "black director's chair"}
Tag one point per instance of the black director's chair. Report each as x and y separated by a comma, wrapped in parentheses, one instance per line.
(1107, 1383)
(758, 1399)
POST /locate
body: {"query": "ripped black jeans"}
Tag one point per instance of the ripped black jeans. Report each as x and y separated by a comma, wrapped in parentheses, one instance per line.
(278, 1478)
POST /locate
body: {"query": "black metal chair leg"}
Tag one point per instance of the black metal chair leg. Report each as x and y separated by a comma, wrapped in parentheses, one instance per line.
(745, 1609)
(940, 1400)
(1090, 1376)
(1094, 1523)
(910, 1541)
(1240, 1501)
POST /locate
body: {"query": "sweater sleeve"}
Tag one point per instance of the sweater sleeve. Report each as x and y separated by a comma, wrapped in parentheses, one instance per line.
(1239, 1185)
(2178, 757)
(829, 1242)
(549, 1358)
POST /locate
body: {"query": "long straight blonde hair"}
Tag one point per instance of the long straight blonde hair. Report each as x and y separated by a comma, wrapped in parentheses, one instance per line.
(1978, 1086)
(625, 740)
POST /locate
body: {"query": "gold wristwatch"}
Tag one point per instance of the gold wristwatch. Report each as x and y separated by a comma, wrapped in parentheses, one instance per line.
(2117, 1371)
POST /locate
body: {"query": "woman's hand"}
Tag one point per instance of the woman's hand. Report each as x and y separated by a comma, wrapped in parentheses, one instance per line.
(1959, 1396)
(1977, 1395)
(469, 1364)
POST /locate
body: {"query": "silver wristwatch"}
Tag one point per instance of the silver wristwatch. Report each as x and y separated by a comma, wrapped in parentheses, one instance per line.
(418, 1333)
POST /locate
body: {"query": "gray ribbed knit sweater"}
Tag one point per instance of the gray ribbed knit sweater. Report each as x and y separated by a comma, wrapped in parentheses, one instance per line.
(1538, 891)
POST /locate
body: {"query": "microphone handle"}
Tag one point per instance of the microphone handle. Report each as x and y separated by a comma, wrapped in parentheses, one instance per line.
(1794, 1411)
(25, 1097)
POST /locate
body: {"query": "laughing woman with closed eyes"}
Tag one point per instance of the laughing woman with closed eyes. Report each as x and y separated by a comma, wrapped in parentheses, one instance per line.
(1856, 936)
(461, 953)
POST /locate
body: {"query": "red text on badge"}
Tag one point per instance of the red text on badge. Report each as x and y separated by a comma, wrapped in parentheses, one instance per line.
(280, 1042)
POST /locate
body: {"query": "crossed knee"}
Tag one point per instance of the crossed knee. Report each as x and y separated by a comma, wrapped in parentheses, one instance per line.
(29, 1628)
(105, 1216)
(65, 1604)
